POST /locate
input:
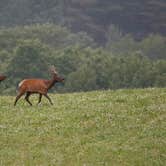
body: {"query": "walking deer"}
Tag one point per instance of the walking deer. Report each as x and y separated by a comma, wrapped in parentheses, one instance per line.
(40, 86)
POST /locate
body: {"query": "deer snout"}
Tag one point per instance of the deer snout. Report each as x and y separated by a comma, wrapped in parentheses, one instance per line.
(62, 80)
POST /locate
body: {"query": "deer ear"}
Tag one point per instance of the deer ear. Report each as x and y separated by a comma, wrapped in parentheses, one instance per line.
(53, 70)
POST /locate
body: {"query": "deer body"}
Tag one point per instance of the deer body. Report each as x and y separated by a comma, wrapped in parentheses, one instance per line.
(40, 86)
(34, 85)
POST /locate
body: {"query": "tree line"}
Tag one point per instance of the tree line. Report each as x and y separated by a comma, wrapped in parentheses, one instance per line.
(123, 62)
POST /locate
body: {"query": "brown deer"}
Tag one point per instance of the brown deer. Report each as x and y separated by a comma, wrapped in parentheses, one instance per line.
(40, 86)
(2, 78)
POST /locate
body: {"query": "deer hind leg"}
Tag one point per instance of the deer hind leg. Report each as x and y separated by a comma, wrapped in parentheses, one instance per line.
(18, 97)
(48, 98)
(27, 97)
(40, 97)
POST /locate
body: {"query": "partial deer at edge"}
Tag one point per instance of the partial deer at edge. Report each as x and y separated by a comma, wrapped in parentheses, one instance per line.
(2, 78)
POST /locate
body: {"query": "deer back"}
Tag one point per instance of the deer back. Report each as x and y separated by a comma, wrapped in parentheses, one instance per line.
(33, 85)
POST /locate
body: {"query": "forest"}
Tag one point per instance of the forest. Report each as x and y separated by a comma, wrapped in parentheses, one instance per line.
(138, 17)
(94, 45)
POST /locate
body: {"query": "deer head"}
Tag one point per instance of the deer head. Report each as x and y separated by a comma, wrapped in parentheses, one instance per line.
(54, 72)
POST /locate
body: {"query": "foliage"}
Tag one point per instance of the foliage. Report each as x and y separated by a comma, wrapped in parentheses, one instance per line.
(29, 57)
(152, 46)
(55, 36)
(137, 17)
(124, 62)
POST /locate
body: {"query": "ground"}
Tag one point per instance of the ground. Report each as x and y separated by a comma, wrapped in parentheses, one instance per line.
(122, 127)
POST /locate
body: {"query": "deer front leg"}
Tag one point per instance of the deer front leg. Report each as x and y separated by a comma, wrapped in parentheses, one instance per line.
(40, 97)
(48, 98)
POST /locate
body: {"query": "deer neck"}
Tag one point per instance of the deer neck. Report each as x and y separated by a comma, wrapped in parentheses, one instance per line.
(52, 82)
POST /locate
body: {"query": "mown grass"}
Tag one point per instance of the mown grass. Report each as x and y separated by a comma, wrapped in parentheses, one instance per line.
(117, 128)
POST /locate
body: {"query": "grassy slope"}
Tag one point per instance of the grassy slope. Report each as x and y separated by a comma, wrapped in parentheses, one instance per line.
(124, 127)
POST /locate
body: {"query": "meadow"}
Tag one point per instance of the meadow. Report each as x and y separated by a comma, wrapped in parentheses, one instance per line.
(99, 128)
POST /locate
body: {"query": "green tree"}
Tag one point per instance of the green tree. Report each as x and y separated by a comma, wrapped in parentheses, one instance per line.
(83, 79)
(31, 59)
(160, 80)
(153, 47)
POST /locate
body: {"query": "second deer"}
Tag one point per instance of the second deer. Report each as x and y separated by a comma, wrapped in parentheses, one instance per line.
(2, 78)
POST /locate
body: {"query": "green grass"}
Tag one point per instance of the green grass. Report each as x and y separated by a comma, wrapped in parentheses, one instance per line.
(101, 128)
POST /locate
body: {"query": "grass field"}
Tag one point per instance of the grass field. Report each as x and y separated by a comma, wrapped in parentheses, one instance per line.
(100, 128)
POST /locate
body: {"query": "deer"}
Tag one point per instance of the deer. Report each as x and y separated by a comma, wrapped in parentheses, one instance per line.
(2, 78)
(39, 86)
